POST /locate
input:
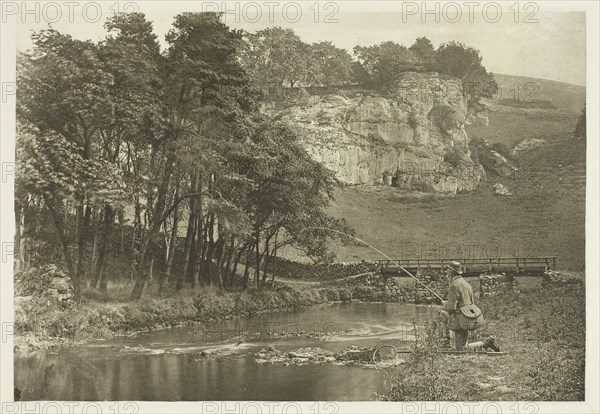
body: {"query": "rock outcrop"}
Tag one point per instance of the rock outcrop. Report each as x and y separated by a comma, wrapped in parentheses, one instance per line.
(494, 163)
(528, 144)
(413, 139)
(500, 190)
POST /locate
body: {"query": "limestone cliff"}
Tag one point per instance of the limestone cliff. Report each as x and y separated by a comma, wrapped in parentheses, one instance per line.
(413, 138)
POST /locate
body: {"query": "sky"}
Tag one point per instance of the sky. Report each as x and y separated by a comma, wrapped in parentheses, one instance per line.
(528, 39)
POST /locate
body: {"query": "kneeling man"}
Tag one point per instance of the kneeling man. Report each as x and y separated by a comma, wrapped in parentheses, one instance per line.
(460, 300)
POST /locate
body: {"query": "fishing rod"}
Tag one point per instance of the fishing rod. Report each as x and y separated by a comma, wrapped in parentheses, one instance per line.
(381, 253)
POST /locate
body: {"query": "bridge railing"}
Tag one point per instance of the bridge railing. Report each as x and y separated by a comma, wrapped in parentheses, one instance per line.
(473, 265)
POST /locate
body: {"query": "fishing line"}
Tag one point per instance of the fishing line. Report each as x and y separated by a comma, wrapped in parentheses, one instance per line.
(381, 253)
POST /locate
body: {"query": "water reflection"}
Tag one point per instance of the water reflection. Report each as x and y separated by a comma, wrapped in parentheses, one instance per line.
(163, 365)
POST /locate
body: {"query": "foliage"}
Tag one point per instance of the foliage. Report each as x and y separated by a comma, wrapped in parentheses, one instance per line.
(455, 156)
(464, 62)
(176, 128)
(91, 319)
(543, 330)
(382, 65)
(275, 56)
(50, 166)
(177, 135)
(424, 49)
(329, 65)
(320, 271)
(37, 281)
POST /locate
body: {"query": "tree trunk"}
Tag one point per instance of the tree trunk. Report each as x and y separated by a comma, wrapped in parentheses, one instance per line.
(83, 221)
(186, 252)
(204, 250)
(257, 260)
(191, 262)
(137, 224)
(247, 267)
(220, 256)
(104, 245)
(210, 250)
(198, 253)
(200, 238)
(182, 279)
(57, 219)
(230, 254)
(238, 257)
(121, 217)
(266, 263)
(157, 220)
(274, 254)
(171, 249)
(91, 279)
(151, 270)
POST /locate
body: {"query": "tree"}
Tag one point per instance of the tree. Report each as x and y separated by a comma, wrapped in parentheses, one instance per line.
(205, 96)
(131, 55)
(425, 51)
(274, 57)
(173, 134)
(51, 167)
(329, 65)
(383, 64)
(64, 92)
(289, 195)
(464, 62)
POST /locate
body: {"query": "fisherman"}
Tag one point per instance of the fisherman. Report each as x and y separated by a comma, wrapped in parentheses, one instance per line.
(459, 313)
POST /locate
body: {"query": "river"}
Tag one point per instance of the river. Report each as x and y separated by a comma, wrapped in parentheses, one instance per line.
(168, 365)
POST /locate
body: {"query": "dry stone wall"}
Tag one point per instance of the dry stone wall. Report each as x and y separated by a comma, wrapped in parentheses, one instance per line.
(494, 284)
(435, 281)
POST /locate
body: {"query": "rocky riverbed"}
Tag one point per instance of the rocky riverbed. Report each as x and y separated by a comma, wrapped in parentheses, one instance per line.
(352, 355)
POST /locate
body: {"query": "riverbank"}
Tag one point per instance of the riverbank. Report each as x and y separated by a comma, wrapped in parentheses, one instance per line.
(40, 322)
(543, 333)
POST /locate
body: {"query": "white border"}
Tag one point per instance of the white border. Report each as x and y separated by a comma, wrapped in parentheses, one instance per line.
(591, 405)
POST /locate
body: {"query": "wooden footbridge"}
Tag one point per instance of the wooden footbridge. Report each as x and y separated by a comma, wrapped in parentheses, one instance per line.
(522, 266)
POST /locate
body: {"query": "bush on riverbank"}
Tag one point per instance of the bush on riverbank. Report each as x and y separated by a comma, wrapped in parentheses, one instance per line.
(542, 330)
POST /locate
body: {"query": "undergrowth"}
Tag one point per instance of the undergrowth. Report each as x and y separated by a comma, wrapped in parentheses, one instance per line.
(92, 318)
(543, 333)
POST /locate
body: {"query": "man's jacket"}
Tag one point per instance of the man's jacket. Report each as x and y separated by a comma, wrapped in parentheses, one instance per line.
(460, 294)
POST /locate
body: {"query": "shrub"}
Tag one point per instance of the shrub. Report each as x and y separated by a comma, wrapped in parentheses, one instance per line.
(332, 295)
(423, 187)
(212, 305)
(345, 295)
(454, 156)
(364, 292)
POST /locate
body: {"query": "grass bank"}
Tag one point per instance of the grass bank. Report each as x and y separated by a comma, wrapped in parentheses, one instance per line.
(543, 332)
(39, 321)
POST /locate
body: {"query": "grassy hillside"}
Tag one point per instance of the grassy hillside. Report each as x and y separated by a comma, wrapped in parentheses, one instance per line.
(560, 94)
(511, 125)
(545, 215)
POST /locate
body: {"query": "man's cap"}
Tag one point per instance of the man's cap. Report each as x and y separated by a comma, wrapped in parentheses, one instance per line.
(455, 266)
